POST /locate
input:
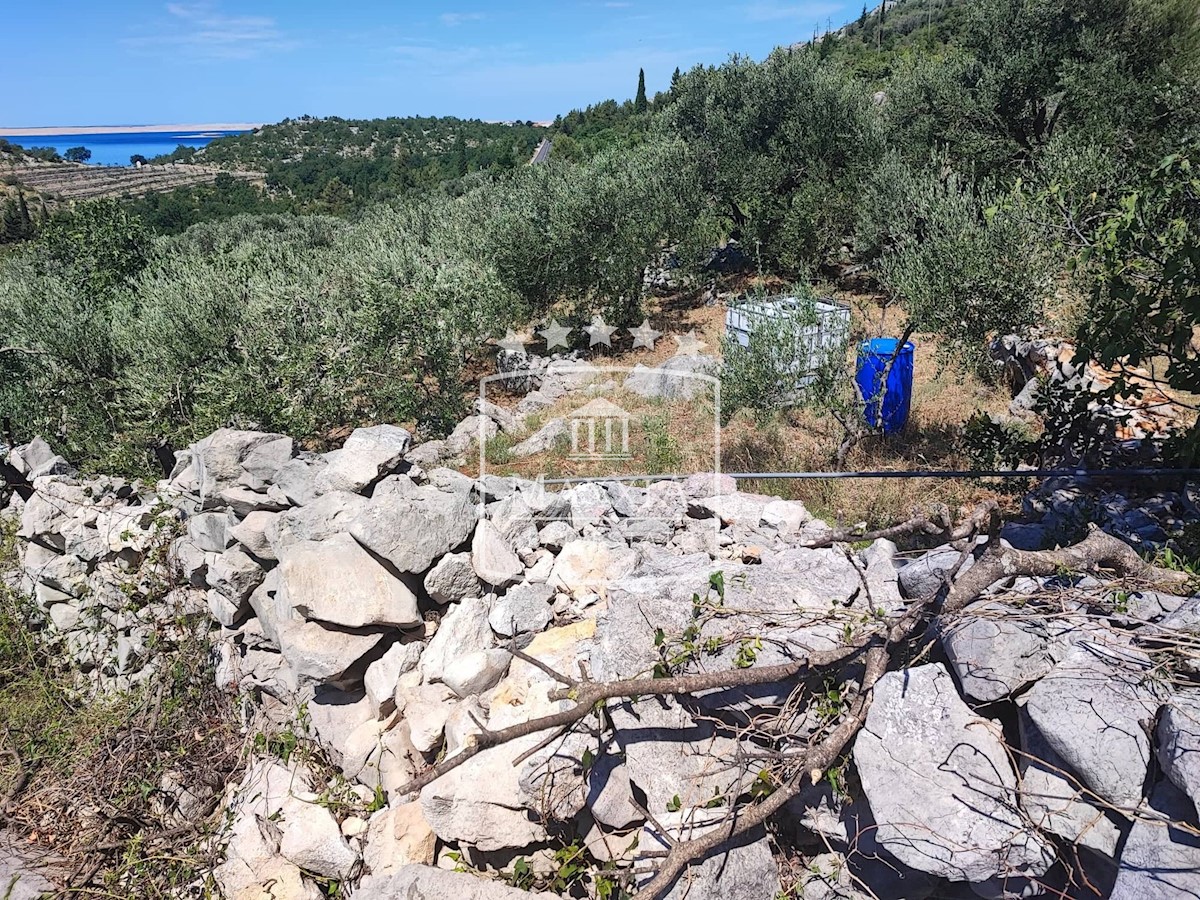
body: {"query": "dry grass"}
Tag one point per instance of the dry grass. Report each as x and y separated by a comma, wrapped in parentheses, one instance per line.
(677, 437)
(82, 774)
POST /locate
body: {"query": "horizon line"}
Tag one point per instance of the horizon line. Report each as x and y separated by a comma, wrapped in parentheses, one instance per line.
(53, 130)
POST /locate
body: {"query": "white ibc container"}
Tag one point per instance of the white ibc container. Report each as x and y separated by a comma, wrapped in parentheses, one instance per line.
(814, 343)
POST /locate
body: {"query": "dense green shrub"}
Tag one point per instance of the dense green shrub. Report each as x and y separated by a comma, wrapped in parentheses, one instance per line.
(966, 263)
(781, 146)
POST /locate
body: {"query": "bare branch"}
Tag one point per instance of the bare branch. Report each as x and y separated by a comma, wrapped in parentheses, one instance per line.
(1096, 552)
(586, 696)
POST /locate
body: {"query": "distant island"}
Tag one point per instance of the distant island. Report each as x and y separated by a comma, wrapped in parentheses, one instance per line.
(51, 131)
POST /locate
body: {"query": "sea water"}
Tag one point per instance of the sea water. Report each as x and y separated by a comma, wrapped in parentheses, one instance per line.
(114, 148)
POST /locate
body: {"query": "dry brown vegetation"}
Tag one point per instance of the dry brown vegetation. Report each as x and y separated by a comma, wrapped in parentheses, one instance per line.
(677, 437)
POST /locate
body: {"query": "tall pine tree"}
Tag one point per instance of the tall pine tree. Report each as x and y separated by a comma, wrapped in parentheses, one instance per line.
(640, 103)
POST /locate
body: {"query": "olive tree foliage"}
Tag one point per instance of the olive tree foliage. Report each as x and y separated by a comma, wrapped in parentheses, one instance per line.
(584, 234)
(60, 364)
(117, 342)
(1145, 307)
(782, 146)
(1115, 73)
(965, 260)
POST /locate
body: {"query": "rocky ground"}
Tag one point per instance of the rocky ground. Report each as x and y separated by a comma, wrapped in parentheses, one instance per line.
(474, 688)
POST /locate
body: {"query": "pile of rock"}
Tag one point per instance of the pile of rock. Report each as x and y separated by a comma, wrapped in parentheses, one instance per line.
(1031, 363)
(394, 611)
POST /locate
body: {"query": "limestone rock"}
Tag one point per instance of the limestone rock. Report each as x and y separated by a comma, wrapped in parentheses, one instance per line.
(210, 531)
(741, 869)
(610, 793)
(1179, 743)
(997, 649)
(262, 463)
(662, 766)
(1159, 861)
(411, 526)
(473, 431)
(337, 582)
(785, 516)
(1055, 802)
(590, 504)
(675, 379)
(556, 535)
(367, 456)
(383, 674)
(452, 579)
(482, 802)
(708, 484)
(474, 673)
(425, 709)
(523, 608)
(251, 533)
(924, 576)
(297, 479)
(313, 841)
(253, 864)
(331, 513)
(464, 629)
(235, 575)
(541, 440)
(218, 459)
(398, 836)
(587, 567)
(335, 715)
(940, 784)
(492, 558)
(1090, 709)
(428, 883)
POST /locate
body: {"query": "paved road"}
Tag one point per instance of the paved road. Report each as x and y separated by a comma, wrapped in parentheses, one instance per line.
(542, 153)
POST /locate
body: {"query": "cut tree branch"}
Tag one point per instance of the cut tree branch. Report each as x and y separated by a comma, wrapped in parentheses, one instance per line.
(586, 696)
(1097, 552)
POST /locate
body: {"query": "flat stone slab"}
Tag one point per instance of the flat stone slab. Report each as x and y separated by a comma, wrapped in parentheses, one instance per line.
(940, 784)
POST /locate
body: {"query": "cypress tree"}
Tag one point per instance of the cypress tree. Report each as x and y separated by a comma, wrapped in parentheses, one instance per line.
(675, 78)
(9, 222)
(25, 221)
(862, 20)
(640, 103)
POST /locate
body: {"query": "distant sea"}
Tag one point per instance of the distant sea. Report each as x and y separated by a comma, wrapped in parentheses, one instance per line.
(114, 148)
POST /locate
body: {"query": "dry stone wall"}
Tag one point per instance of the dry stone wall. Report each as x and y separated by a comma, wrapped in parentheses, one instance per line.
(391, 610)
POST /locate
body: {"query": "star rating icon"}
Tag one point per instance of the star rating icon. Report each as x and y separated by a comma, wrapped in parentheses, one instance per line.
(555, 335)
(599, 332)
(644, 335)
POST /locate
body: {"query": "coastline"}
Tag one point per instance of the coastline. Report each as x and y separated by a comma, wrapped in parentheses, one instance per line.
(125, 129)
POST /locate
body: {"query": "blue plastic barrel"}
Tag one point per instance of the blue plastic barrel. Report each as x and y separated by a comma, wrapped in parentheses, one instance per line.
(873, 358)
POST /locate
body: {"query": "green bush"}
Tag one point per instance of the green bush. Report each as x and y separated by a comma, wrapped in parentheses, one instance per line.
(966, 264)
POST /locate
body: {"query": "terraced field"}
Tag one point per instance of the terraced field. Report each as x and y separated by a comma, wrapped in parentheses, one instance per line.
(74, 181)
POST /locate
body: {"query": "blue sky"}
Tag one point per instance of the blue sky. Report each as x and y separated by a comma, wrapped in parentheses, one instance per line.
(152, 62)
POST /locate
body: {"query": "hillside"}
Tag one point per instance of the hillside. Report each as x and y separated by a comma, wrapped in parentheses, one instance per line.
(64, 181)
(360, 160)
